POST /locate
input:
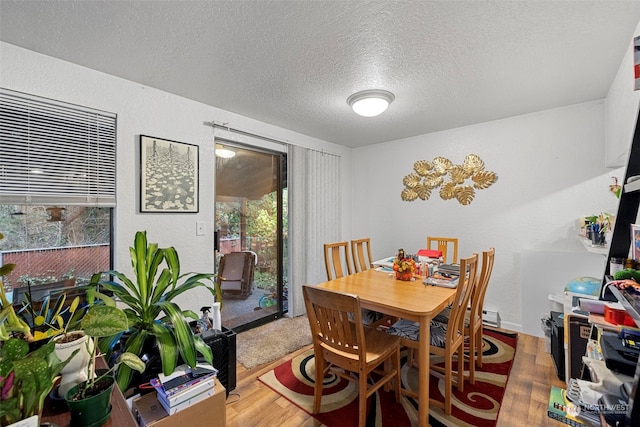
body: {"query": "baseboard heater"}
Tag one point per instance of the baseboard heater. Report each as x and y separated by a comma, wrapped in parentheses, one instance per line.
(491, 318)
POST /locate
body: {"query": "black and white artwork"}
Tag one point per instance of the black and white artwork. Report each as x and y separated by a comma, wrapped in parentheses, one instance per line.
(168, 176)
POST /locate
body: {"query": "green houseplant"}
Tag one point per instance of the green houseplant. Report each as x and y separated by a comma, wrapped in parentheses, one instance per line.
(90, 401)
(26, 377)
(152, 313)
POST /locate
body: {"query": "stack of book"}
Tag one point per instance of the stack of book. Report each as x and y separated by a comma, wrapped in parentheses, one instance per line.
(185, 386)
(449, 269)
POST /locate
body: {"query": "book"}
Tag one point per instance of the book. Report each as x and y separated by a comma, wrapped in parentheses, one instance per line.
(186, 393)
(449, 268)
(186, 402)
(562, 410)
(438, 279)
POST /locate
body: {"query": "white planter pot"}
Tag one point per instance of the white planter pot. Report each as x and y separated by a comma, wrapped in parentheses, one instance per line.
(27, 422)
(75, 372)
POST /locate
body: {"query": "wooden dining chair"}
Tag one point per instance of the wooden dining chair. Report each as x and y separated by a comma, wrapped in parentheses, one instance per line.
(473, 326)
(361, 252)
(443, 245)
(337, 259)
(348, 349)
(447, 339)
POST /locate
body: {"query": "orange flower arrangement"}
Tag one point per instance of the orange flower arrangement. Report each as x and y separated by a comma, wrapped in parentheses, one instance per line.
(404, 268)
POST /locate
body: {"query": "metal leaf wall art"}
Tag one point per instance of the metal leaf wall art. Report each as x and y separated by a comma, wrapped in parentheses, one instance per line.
(453, 180)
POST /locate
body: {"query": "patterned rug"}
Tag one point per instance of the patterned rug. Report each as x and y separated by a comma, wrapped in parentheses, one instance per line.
(477, 405)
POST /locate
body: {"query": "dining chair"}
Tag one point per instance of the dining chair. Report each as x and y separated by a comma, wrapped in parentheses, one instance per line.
(447, 339)
(473, 325)
(361, 252)
(348, 349)
(362, 260)
(337, 259)
(443, 245)
(474, 328)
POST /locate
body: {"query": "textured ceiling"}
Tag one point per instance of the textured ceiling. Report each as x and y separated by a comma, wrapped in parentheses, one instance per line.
(294, 63)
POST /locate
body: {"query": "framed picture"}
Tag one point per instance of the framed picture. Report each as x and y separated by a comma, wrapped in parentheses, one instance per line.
(169, 173)
(635, 241)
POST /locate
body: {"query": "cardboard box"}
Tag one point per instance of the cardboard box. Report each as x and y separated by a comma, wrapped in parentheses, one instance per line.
(211, 411)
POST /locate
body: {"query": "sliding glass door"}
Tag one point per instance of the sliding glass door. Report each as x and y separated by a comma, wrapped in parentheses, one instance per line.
(250, 216)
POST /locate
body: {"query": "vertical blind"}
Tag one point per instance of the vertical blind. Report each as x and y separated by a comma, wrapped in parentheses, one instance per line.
(55, 153)
(315, 211)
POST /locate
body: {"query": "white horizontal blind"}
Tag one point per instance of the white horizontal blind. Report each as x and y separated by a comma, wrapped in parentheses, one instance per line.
(55, 153)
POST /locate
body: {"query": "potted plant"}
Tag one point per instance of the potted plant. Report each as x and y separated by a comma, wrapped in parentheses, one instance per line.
(90, 401)
(60, 323)
(26, 377)
(150, 308)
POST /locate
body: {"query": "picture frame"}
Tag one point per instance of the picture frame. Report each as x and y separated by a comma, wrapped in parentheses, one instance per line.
(169, 176)
(635, 241)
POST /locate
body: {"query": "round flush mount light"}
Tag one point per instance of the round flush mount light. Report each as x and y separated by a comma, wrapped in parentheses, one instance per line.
(224, 153)
(370, 103)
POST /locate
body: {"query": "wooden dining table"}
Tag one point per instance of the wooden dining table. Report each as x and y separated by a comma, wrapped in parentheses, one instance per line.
(410, 300)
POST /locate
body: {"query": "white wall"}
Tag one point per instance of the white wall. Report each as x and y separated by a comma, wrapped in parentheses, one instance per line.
(621, 110)
(147, 111)
(551, 171)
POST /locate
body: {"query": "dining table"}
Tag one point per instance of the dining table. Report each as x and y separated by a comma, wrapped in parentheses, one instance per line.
(411, 300)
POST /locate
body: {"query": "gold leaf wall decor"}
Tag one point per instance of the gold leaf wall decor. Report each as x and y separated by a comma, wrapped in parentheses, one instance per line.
(465, 194)
(422, 167)
(450, 178)
(484, 179)
(409, 195)
(412, 180)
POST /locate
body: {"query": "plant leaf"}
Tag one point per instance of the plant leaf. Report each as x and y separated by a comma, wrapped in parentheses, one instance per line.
(132, 361)
(166, 346)
(134, 344)
(181, 331)
(104, 321)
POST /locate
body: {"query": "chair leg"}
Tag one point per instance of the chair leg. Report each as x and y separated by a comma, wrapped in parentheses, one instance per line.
(479, 346)
(398, 379)
(362, 400)
(460, 371)
(317, 390)
(448, 388)
(472, 357)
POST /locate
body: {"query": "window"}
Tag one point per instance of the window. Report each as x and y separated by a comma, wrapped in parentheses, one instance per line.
(57, 189)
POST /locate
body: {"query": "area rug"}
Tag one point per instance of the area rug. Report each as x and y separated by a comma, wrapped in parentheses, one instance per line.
(477, 405)
(272, 341)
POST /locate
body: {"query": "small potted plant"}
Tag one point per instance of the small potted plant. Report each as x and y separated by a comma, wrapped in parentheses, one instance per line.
(26, 377)
(90, 401)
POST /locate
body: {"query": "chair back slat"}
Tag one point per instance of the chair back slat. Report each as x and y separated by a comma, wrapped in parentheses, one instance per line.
(361, 251)
(443, 245)
(337, 259)
(477, 298)
(455, 327)
(329, 313)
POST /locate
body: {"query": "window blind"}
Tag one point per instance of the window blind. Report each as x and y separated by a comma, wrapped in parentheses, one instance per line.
(315, 212)
(55, 153)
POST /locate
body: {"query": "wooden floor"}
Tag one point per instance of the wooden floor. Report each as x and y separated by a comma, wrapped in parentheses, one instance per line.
(524, 404)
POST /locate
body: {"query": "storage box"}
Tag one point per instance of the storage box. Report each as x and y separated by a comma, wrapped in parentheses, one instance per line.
(210, 412)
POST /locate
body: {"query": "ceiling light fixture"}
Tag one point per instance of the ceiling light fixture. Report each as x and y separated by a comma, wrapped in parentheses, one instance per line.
(370, 103)
(224, 152)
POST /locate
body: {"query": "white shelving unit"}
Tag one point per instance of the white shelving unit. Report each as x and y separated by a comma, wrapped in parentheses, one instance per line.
(596, 249)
